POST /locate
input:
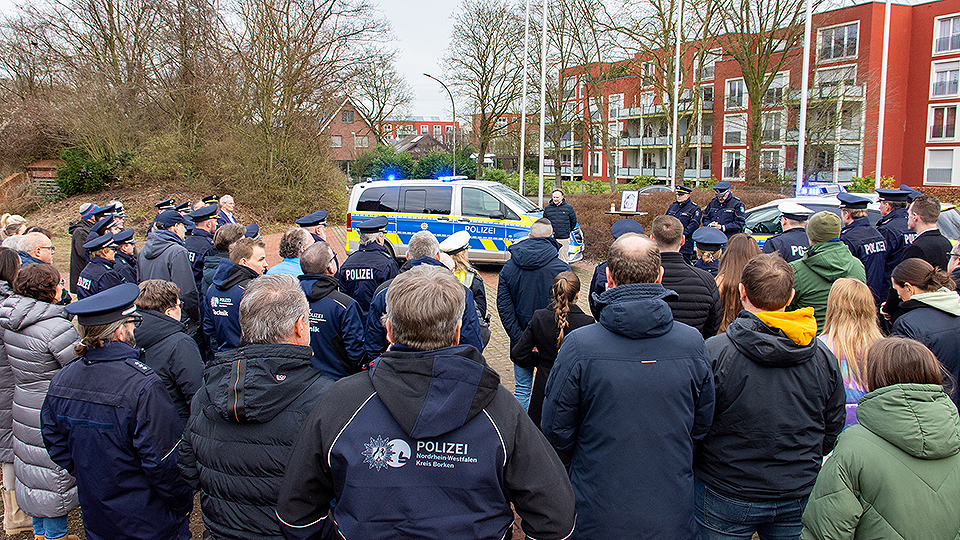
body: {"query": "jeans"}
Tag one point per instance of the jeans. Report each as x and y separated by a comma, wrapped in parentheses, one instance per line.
(50, 528)
(722, 517)
(523, 380)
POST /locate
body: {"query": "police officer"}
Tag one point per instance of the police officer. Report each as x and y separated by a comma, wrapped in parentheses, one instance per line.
(369, 266)
(724, 212)
(864, 240)
(689, 215)
(315, 224)
(99, 274)
(105, 222)
(252, 231)
(125, 260)
(109, 421)
(793, 242)
(336, 330)
(599, 282)
(200, 243)
(893, 227)
(166, 204)
(710, 242)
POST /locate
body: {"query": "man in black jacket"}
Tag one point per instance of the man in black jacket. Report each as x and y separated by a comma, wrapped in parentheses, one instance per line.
(253, 401)
(779, 409)
(429, 434)
(78, 234)
(699, 299)
(564, 220)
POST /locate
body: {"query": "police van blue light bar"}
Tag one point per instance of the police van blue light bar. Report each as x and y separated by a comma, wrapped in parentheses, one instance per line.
(451, 178)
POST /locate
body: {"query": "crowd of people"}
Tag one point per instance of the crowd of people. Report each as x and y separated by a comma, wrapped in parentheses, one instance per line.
(715, 389)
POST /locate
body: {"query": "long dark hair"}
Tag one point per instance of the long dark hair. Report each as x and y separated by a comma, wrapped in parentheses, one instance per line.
(565, 288)
(921, 275)
(9, 265)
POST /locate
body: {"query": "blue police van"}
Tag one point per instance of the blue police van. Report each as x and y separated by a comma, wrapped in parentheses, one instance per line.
(494, 215)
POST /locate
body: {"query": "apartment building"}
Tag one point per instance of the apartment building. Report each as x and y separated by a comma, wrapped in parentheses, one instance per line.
(441, 130)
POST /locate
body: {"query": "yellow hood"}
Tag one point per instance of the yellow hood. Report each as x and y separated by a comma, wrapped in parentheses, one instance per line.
(800, 325)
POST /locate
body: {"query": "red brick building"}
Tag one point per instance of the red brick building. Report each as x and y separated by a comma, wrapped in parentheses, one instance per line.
(441, 130)
(349, 133)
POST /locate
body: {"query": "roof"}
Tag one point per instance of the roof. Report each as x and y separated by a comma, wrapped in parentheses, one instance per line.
(326, 124)
(412, 141)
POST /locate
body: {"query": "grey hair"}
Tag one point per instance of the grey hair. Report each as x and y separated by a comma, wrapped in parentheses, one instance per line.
(316, 258)
(541, 228)
(12, 242)
(423, 244)
(270, 307)
(31, 241)
(370, 237)
(424, 306)
(293, 241)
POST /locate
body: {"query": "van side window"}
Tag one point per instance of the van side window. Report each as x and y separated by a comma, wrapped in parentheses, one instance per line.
(479, 203)
(427, 200)
(379, 199)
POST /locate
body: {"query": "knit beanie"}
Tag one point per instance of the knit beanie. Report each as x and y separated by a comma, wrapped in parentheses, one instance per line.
(823, 227)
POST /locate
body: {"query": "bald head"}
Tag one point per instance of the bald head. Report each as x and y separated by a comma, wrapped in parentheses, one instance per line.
(633, 258)
(541, 228)
(38, 246)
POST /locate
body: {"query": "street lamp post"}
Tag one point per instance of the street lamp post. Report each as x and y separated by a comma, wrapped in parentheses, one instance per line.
(454, 107)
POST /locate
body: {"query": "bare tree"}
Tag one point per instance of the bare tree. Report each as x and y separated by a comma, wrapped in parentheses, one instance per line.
(381, 93)
(483, 64)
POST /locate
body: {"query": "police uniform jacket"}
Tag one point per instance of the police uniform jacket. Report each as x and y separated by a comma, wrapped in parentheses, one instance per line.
(689, 215)
(364, 271)
(199, 245)
(562, 217)
(99, 275)
(336, 331)
(253, 401)
(898, 236)
(452, 457)
(867, 244)
(730, 214)
(712, 268)
(598, 284)
(109, 421)
(790, 244)
(78, 255)
(126, 266)
(221, 318)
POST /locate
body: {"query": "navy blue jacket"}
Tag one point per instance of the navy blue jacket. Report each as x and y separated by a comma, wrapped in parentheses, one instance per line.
(526, 282)
(78, 255)
(867, 244)
(210, 265)
(598, 284)
(689, 215)
(223, 218)
(126, 266)
(938, 330)
(562, 217)
(173, 356)
(97, 276)
(108, 420)
(898, 235)
(712, 268)
(627, 400)
(364, 271)
(221, 317)
(375, 335)
(730, 214)
(790, 244)
(336, 331)
(199, 245)
(437, 442)
(931, 246)
(26, 259)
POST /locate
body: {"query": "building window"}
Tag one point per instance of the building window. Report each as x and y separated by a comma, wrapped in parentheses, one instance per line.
(405, 129)
(940, 166)
(449, 129)
(616, 103)
(736, 90)
(437, 131)
(774, 93)
(770, 161)
(710, 59)
(595, 164)
(732, 162)
(948, 34)
(361, 141)
(648, 74)
(424, 130)
(943, 122)
(946, 76)
(336, 141)
(387, 128)
(734, 128)
(839, 42)
(707, 93)
(346, 117)
(771, 126)
(843, 75)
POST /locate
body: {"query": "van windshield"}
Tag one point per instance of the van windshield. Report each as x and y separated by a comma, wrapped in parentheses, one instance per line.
(515, 198)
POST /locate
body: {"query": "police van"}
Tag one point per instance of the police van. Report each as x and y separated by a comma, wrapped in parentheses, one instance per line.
(495, 216)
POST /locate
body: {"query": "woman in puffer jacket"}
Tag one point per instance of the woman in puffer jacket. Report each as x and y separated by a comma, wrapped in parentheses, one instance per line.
(897, 473)
(38, 339)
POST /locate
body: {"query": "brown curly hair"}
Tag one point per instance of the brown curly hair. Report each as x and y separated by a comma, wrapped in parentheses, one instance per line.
(38, 281)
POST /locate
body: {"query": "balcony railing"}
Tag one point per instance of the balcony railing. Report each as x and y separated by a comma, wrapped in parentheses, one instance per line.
(628, 141)
(656, 141)
(550, 169)
(945, 88)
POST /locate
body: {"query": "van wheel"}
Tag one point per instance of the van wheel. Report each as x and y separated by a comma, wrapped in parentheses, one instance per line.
(392, 253)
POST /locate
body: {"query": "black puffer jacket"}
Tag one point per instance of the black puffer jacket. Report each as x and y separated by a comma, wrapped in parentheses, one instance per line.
(698, 304)
(173, 356)
(934, 320)
(253, 401)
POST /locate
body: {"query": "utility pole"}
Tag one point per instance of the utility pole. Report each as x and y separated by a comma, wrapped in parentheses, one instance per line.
(454, 107)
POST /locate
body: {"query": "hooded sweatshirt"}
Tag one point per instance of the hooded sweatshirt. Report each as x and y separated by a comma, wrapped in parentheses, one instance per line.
(815, 273)
(526, 281)
(173, 356)
(933, 319)
(896, 475)
(253, 400)
(221, 318)
(164, 257)
(780, 406)
(435, 430)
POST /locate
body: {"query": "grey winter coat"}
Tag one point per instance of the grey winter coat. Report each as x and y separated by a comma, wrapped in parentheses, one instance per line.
(6, 392)
(165, 257)
(38, 340)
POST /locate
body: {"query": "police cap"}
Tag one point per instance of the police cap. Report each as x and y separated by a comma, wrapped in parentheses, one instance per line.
(892, 195)
(100, 242)
(624, 226)
(182, 206)
(104, 210)
(721, 186)
(169, 218)
(852, 202)
(166, 204)
(124, 237)
(709, 239)
(311, 220)
(105, 307)
(210, 199)
(203, 214)
(455, 243)
(118, 209)
(101, 226)
(252, 231)
(373, 225)
(911, 193)
(794, 211)
(683, 190)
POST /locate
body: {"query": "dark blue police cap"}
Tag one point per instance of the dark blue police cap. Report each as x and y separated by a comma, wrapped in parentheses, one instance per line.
(100, 242)
(182, 206)
(203, 214)
(169, 218)
(624, 226)
(112, 305)
(210, 199)
(683, 190)
(852, 202)
(104, 210)
(373, 225)
(124, 237)
(252, 231)
(310, 220)
(911, 193)
(709, 239)
(102, 225)
(892, 195)
(721, 186)
(165, 204)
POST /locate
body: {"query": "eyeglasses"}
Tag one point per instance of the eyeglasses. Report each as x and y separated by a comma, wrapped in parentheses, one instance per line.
(51, 248)
(134, 320)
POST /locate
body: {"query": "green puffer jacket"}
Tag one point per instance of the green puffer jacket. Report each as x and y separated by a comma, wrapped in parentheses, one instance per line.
(896, 475)
(815, 273)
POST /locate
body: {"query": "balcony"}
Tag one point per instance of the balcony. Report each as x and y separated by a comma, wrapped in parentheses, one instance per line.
(834, 92)
(549, 169)
(656, 141)
(627, 141)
